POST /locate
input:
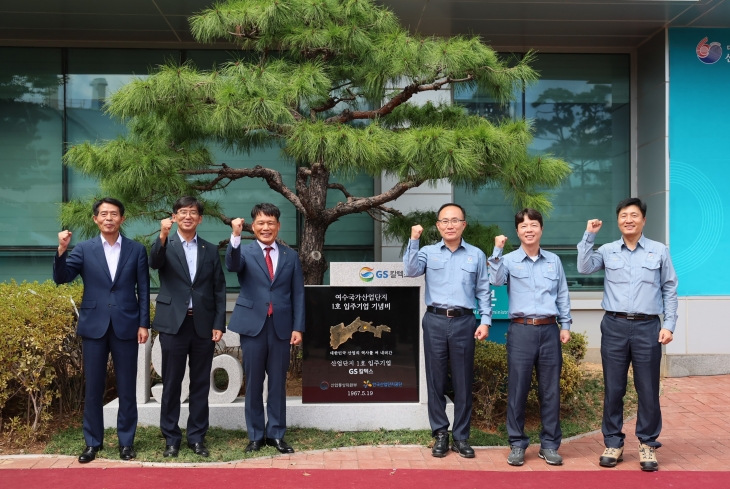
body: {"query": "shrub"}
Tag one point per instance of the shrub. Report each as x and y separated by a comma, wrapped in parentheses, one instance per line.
(490, 383)
(577, 346)
(37, 324)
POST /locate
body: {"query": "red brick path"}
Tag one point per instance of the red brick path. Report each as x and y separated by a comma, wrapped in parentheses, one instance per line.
(696, 436)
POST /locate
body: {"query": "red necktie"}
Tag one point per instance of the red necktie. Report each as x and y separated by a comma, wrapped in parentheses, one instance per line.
(270, 266)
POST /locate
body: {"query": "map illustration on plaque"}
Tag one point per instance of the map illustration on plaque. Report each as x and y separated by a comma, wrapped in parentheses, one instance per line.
(340, 333)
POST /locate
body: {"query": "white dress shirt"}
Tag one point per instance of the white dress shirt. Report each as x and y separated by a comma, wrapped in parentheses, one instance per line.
(112, 253)
(274, 253)
(191, 257)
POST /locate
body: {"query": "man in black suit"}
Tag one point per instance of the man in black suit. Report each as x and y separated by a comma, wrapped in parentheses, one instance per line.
(269, 316)
(114, 316)
(190, 316)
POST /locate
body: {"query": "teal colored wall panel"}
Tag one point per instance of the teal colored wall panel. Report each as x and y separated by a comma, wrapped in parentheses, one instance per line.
(699, 165)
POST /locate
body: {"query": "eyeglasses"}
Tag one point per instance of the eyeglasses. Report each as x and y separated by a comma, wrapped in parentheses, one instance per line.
(453, 222)
(186, 213)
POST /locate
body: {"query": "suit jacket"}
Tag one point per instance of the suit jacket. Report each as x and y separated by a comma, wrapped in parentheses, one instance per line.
(208, 290)
(286, 292)
(125, 301)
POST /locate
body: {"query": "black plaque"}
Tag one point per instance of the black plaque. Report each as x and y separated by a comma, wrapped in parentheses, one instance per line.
(361, 344)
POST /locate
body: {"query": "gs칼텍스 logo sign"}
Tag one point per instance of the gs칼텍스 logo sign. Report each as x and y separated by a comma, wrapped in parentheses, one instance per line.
(366, 274)
(709, 53)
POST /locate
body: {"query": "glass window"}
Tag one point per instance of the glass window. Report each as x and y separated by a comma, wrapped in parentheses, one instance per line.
(31, 135)
(343, 255)
(353, 229)
(581, 113)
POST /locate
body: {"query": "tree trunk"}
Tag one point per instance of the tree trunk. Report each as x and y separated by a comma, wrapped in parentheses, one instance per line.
(314, 200)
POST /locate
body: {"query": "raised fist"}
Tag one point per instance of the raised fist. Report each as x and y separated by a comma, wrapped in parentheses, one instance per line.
(237, 226)
(594, 225)
(165, 226)
(416, 231)
(500, 241)
(64, 238)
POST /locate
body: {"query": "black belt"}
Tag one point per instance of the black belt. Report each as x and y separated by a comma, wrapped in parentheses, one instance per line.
(632, 317)
(190, 312)
(535, 321)
(454, 312)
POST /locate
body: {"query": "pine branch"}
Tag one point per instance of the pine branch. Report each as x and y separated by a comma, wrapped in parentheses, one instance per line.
(272, 177)
(363, 204)
(350, 197)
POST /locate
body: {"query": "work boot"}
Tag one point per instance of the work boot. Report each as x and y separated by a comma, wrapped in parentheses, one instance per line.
(647, 458)
(441, 446)
(611, 456)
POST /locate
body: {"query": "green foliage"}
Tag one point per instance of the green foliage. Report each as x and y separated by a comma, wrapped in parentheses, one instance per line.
(577, 346)
(490, 384)
(398, 229)
(37, 324)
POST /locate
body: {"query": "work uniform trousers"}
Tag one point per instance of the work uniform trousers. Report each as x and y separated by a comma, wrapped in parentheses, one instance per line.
(96, 358)
(536, 347)
(449, 339)
(634, 342)
(265, 354)
(177, 350)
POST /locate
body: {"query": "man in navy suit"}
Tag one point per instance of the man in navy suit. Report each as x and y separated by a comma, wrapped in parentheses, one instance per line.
(114, 316)
(269, 316)
(191, 318)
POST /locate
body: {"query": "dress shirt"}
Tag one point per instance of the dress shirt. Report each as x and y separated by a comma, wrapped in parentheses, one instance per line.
(274, 253)
(537, 288)
(642, 281)
(191, 256)
(112, 253)
(453, 279)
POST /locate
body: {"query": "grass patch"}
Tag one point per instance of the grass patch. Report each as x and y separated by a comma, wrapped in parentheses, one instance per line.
(581, 415)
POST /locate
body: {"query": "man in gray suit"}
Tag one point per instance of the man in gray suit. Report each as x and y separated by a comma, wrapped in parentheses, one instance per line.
(269, 316)
(191, 318)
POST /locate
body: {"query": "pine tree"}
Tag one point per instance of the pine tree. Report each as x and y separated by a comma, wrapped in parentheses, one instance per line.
(313, 79)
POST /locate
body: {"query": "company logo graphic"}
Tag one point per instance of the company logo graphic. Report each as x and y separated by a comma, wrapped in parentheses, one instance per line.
(366, 274)
(709, 53)
(366, 384)
(324, 385)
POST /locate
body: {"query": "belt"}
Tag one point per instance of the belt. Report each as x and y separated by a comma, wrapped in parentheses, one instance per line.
(535, 321)
(190, 312)
(631, 317)
(454, 312)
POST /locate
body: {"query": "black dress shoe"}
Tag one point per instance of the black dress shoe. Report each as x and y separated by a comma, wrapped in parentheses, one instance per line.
(199, 449)
(127, 453)
(280, 445)
(254, 446)
(171, 451)
(441, 447)
(89, 454)
(462, 448)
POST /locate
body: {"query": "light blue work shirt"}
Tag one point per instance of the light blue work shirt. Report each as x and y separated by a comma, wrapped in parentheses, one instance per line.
(191, 257)
(642, 281)
(453, 279)
(536, 289)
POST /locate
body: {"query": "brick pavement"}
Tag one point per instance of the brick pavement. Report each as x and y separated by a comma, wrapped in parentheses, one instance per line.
(696, 436)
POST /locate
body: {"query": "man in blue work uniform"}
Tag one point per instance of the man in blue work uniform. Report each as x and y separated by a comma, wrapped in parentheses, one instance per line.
(538, 301)
(456, 275)
(640, 284)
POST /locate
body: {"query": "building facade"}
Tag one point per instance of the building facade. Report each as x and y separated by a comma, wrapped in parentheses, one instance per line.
(632, 94)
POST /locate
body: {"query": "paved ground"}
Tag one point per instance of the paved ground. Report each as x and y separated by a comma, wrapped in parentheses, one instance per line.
(696, 436)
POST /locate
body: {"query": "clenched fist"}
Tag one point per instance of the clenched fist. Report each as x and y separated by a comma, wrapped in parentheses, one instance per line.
(500, 241)
(594, 225)
(237, 226)
(165, 226)
(416, 231)
(64, 238)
